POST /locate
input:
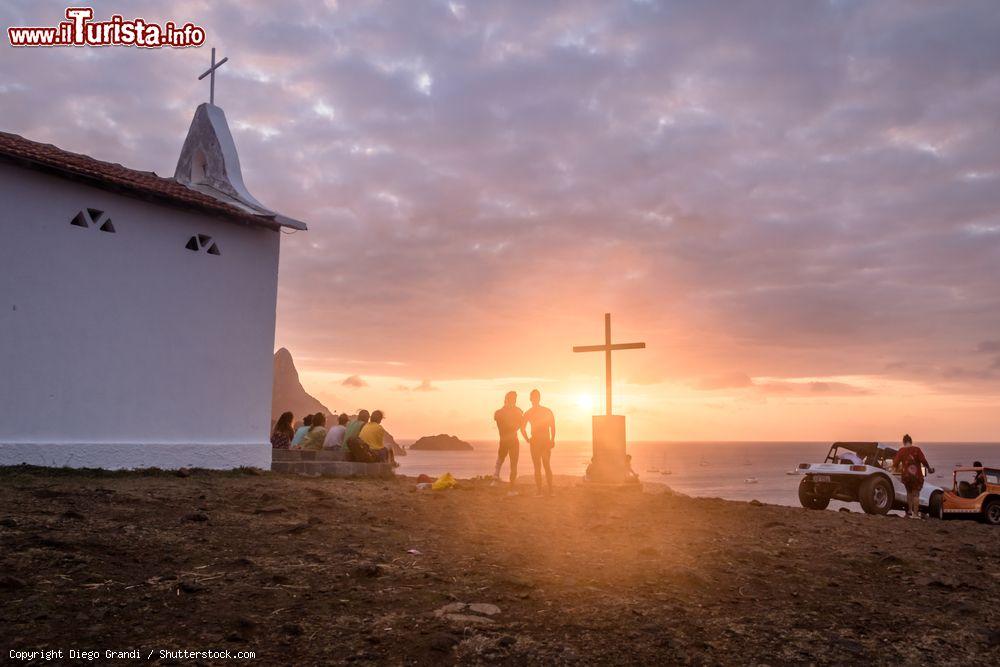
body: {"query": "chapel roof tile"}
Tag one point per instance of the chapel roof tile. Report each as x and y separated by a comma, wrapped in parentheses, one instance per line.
(113, 176)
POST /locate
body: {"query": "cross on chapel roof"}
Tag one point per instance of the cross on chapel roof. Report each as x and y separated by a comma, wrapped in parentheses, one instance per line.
(211, 72)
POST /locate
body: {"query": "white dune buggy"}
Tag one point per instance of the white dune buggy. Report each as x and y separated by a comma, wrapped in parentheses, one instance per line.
(861, 472)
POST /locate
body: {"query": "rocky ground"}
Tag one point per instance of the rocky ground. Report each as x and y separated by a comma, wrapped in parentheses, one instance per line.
(308, 571)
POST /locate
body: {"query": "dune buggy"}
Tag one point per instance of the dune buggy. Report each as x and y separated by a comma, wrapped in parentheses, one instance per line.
(861, 472)
(975, 493)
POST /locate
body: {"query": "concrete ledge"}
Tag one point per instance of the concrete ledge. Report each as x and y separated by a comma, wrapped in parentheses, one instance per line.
(332, 463)
(308, 455)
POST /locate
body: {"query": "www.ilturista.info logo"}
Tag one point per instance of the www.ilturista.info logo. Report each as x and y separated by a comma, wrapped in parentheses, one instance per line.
(80, 30)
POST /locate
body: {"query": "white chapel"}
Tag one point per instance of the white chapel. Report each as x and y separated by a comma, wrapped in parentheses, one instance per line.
(136, 312)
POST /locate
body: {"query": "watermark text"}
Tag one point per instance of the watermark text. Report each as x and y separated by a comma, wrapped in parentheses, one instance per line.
(79, 29)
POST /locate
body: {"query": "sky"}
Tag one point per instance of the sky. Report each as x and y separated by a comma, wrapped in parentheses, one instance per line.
(796, 205)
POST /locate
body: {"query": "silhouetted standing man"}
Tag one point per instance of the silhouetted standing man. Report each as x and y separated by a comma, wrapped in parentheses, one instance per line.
(542, 439)
(508, 419)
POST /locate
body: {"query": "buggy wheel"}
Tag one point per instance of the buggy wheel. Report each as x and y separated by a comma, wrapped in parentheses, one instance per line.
(935, 506)
(991, 512)
(810, 500)
(876, 495)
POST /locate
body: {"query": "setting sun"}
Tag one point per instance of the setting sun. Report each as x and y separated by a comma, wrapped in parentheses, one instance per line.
(585, 402)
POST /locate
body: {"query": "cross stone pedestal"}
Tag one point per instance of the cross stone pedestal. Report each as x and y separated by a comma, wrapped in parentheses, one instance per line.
(609, 466)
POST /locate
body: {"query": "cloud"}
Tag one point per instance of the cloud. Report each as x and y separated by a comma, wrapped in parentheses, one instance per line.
(724, 381)
(779, 386)
(796, 193)
(425, 386)
(812, 388)
(354, 382)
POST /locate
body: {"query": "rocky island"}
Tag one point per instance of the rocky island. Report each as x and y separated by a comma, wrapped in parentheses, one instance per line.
(441, 443)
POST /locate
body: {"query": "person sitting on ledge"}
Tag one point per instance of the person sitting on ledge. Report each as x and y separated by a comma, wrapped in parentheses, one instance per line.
(281, 435)
(317, 433)
(373, 435)
(354, 426)
(302, 430)
(357, 450)
(632, 475)
(335, 436)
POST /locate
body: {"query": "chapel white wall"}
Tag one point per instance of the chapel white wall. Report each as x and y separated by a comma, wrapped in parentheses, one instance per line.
(126, 349)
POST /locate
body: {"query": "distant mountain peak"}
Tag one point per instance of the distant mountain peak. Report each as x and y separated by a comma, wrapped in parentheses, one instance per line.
(288, 392)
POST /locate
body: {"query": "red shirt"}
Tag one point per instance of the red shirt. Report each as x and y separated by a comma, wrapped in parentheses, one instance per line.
(911, 460)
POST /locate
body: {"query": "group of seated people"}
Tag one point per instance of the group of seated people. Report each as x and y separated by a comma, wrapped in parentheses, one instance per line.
(362, 438)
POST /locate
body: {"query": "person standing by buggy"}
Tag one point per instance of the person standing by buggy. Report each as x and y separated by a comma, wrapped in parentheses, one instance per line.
(910, 461)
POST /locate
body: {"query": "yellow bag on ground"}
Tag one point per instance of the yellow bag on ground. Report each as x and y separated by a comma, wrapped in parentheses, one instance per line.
(445, 481)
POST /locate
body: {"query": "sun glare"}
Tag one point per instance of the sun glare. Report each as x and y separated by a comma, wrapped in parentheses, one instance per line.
(585, 402)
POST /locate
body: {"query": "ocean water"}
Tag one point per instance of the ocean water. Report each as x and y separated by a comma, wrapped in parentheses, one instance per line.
(708, 469)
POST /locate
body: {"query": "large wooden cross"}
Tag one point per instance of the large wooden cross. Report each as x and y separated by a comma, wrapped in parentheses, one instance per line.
(607, 349)
(211, 70)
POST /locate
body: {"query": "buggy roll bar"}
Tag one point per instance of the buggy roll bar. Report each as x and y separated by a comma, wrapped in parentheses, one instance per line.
(866, 450)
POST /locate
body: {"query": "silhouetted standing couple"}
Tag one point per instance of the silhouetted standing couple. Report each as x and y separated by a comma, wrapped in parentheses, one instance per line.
(511, 421)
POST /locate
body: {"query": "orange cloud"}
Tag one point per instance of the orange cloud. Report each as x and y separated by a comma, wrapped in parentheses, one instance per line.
(354, 382)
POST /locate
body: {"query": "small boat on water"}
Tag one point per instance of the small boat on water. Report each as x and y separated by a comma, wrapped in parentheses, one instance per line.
(661, 469)
(666, 472)
(750, 480)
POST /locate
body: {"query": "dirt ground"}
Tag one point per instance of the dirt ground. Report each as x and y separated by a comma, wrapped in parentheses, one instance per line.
(313, 570)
